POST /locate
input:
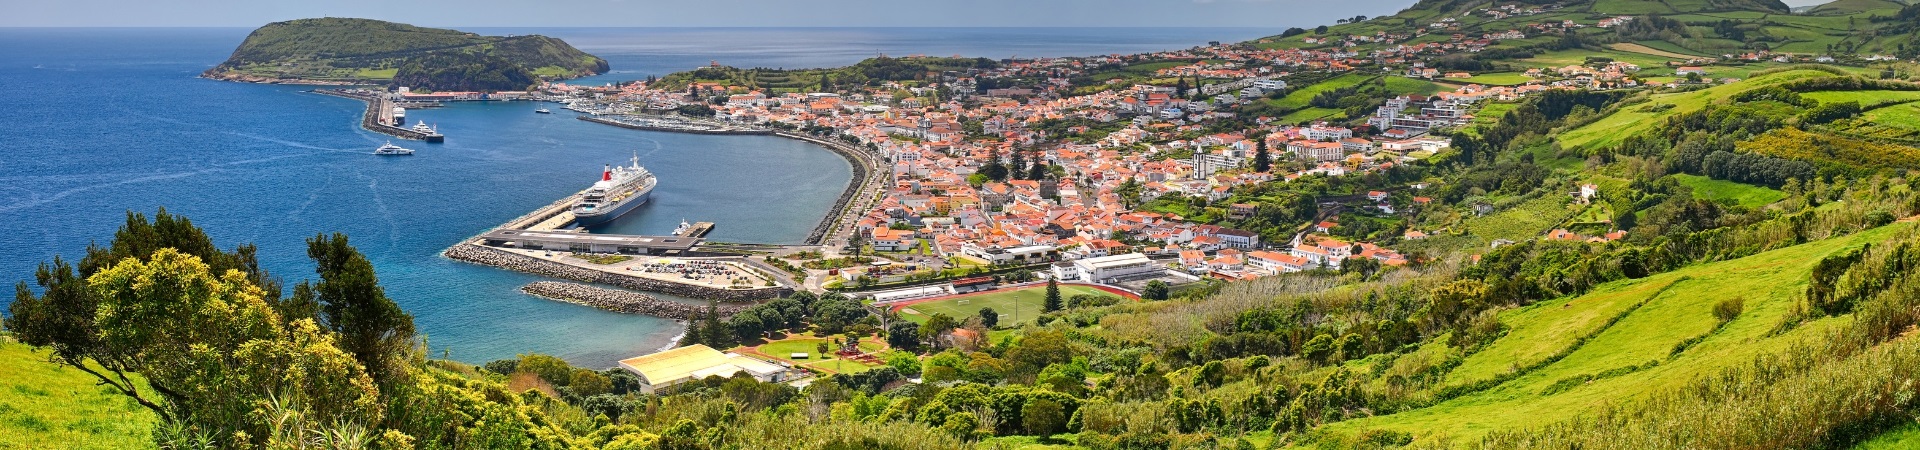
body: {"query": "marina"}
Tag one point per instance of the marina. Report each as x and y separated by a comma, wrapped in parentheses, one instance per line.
(670, 124)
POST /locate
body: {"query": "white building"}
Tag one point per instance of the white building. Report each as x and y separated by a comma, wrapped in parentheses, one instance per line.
(1022, 254)
(1106, 268)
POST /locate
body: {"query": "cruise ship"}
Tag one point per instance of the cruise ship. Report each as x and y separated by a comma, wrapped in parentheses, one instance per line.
(620, 189)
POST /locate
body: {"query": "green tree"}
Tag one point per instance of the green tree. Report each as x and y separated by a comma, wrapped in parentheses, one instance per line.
(989, 317)
(588, 383)
(1052, 302)
(936, 325)
(994, 170)
(903, 334)
(218, 352)
(63, 318)
(1043, 417)
(1040, 349)
(548, 367)
(1261, 161)
(1155, 290)
(961, 425)
(353, 305)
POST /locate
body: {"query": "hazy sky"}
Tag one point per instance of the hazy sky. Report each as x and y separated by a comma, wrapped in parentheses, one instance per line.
(700, 13)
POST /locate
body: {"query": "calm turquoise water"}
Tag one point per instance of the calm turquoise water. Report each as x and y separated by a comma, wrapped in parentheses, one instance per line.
(98, 122)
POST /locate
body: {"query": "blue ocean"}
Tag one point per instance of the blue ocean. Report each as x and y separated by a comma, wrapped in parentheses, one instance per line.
(100, 122)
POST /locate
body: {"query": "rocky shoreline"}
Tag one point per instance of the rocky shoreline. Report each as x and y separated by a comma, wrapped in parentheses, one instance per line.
(487, 256)
(256, 79)
(622, 301)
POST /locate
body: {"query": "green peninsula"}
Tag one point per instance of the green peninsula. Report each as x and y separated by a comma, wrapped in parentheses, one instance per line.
(364, 51)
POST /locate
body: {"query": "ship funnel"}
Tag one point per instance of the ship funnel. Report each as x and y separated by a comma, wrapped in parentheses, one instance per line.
(606, 174)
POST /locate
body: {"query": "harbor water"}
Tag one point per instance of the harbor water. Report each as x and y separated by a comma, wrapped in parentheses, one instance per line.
(100, 122)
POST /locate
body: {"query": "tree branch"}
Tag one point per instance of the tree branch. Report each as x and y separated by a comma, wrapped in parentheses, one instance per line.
(127, 389)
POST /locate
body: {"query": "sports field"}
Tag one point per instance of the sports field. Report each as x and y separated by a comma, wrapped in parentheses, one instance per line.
(1023, 304)
(784, 349)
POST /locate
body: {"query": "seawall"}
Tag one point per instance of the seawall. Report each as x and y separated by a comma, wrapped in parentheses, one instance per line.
(863, 170)
(619, 301)
(483, 255)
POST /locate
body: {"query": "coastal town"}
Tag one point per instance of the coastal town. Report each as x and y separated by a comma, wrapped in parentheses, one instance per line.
(1036, 174)
(1021, 163)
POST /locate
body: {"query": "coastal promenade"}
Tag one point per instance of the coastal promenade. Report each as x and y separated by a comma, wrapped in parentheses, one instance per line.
(870, 174)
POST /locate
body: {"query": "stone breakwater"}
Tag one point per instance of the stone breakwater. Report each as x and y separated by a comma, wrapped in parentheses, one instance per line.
(622, 301)
(483, 255)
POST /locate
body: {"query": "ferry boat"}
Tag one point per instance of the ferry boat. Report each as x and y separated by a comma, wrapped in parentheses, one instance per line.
(392, 150)
(542, 111)
(682, 230)
(432, 134)
(619, 191)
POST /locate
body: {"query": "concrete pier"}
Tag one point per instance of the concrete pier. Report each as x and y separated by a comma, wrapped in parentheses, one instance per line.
(697, 230)
(379, 116)
(535, 243)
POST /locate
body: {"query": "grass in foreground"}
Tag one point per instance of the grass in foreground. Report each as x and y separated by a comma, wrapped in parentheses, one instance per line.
(1906, 437)
(43, 405)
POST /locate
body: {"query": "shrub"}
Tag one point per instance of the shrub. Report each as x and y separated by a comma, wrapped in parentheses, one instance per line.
(1728, 309)
(549, 368)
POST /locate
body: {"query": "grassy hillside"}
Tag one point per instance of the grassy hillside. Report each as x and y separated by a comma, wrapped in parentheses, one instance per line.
(1639, 118)
(340, 49)
(44, 405)
(1704, 27)
(1624, 341)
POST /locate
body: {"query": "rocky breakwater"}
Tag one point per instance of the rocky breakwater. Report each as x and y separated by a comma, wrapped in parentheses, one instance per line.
(622, 301)
(483, 255)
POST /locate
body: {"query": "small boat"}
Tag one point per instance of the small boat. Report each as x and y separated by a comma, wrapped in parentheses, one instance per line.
(392, 150)
(542, 111)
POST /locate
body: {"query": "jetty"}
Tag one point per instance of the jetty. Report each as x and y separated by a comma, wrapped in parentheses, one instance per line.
(545, 242)
(379, 117)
